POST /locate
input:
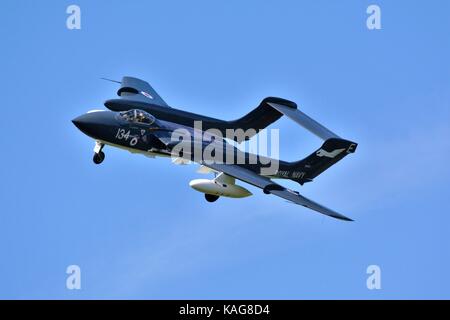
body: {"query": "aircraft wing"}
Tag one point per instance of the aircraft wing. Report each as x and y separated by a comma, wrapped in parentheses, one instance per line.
(271, 187)
(139, 90)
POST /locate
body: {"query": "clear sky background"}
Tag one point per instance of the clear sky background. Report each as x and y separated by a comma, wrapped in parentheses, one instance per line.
(133, 224)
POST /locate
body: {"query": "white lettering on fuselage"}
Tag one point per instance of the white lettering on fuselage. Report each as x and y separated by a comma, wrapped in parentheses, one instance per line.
(125, 135)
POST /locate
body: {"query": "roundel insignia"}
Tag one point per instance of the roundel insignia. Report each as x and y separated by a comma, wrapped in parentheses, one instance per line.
(146, 94)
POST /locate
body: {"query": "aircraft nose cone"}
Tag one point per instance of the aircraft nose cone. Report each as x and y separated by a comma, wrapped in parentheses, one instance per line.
(77, 122)
(83, 122)
(95, 124)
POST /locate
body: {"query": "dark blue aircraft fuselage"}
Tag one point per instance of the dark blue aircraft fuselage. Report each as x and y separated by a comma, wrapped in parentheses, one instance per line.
(108, 127)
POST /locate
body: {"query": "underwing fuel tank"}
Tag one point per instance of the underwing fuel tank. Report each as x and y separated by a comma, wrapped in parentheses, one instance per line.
(222, 185)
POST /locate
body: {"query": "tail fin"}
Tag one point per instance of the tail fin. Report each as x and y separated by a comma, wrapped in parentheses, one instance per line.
(333, 150)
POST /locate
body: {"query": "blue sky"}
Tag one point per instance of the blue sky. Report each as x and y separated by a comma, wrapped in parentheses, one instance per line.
(133, 224)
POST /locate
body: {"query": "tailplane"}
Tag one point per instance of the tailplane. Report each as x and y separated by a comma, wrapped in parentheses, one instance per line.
(332, 150)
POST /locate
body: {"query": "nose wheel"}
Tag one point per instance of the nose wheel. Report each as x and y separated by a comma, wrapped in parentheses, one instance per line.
(99, 155)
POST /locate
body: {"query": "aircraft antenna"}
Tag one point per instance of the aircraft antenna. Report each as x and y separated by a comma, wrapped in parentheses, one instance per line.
(111, 80)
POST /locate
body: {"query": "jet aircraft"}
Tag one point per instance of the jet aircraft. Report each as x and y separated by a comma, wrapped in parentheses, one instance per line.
(140, 121)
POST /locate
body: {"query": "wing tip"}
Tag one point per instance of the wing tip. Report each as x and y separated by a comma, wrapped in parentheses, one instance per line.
(344, 218)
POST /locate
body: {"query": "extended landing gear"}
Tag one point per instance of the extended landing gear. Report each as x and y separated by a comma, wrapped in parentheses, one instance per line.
(99, 155)
(211, 197)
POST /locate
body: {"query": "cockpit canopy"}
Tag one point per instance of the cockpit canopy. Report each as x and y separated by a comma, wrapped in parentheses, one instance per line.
(137, 116)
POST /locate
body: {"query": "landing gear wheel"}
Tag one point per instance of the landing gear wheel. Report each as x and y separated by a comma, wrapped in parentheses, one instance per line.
(99, 157)
(211, 197)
